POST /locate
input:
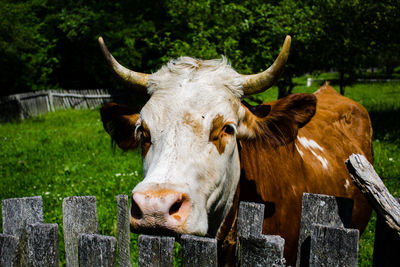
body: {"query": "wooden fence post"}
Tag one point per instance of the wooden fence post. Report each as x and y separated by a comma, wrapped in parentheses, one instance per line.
(123, 231)
(97, 250)
(254, 248)
(320, 209)
(265, 250)
(20, 108)
(8, 250)
(386, 245)
(333, 246)
(51, 102)
(79, 216)
(17, 214)
(371, 185)
(31, 104)
(198, 251)
(43, 245)
(156, 251)
(250, 219)
(387, 229)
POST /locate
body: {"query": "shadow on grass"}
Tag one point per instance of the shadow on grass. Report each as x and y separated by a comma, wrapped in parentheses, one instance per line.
(386, 125)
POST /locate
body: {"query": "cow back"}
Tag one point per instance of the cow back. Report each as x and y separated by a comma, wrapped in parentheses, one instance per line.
(313, 163)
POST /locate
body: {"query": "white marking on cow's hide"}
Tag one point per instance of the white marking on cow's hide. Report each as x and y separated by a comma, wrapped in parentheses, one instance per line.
(300, 152)
(323, 160)
(347, 184)
(311, 145)
(294, 190)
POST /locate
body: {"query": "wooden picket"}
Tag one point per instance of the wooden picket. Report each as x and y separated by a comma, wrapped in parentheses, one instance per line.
(28, 241)
(25, 105)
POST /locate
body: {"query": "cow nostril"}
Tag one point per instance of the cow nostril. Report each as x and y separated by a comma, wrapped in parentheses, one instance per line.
(175, 207)
(135, 211)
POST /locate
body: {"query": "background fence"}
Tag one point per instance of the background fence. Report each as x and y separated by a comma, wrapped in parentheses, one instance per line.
(21, 106)
(324, 240)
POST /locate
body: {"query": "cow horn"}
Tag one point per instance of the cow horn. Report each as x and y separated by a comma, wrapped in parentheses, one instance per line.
(257, 83)
(137, 79)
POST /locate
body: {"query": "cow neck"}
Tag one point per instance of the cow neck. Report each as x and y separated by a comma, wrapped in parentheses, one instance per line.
(229, 223)
(226, 235)
(230, 219)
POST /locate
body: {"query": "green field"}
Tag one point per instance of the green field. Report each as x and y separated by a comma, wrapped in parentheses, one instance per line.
(68, 153)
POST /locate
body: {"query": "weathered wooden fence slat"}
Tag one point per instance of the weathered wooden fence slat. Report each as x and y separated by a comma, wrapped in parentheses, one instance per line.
(82, 96)
(254, 248)
(250, 219)
(8, 250)
(97, 250)
(156, 251)
(368, 181)
(27, 241)
(21, 106)
(123, 228)
(43, 245)
(333, 246)
(79, 216)
(265, 250)
(387, 229)
(17, 214)
(198, 251)
(324, 210)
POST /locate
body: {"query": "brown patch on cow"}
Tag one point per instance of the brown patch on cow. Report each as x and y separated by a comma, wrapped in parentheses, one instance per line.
(284, 118)
(217, 136)
(146, 139)
(120, 122)
(189, 120)
(164, 192)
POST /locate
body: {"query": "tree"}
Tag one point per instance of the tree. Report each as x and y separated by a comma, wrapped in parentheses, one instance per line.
(24, 51)
(53, 44)
(357, 35)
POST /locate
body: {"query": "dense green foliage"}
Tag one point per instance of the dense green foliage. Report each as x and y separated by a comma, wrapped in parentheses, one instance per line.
(68, 153)
(52, 44)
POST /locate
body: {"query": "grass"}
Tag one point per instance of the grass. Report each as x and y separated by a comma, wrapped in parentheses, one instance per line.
(68, 153)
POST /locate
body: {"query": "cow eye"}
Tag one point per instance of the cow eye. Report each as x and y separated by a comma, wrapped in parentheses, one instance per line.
(228, 129)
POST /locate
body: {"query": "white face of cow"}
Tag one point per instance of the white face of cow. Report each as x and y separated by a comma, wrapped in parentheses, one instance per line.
(190, 162)
(187, 131)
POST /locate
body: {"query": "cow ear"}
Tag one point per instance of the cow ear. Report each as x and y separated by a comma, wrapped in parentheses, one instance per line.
(120, 123)
(259, 111)
(280, 119)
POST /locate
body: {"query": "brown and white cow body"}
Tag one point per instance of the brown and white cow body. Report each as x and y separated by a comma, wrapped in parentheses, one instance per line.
(203, 151)
(313, 162)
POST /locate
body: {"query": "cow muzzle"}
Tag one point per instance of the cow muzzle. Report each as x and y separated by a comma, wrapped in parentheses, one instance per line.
(159, 211)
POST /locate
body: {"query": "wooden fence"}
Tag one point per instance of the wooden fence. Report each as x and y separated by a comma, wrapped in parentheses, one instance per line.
(325, 239)
(21, 106)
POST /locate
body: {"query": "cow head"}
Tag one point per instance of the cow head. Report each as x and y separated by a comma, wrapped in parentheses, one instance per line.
(188, 132)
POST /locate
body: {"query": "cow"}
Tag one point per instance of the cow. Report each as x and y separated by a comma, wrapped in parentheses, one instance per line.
(204, 149)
